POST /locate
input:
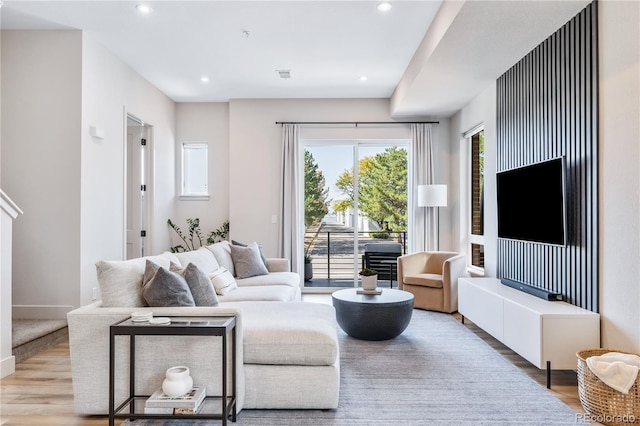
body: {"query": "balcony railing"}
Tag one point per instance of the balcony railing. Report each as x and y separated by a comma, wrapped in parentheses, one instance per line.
(333, 260)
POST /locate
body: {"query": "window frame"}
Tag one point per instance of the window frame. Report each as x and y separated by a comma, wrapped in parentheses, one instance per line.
(184, 166)
(472, 239)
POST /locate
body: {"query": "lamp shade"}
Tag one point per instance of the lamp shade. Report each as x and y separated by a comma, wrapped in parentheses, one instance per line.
(432, 195)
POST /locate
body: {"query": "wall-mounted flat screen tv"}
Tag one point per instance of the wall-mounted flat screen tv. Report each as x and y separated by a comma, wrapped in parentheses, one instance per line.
(531, 203)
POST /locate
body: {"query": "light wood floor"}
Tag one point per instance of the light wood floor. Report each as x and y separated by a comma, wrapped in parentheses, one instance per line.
(40, 391)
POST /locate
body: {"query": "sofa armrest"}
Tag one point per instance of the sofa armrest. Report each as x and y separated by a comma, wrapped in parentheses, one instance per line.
(452, 269)
(276, 264)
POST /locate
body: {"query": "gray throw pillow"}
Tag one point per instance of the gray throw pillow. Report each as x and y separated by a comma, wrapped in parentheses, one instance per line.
(199, 283)
(238, 243)
(161, 287)
(247, 262)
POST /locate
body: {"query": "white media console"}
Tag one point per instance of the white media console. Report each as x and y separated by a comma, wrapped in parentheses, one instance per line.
(547, 334)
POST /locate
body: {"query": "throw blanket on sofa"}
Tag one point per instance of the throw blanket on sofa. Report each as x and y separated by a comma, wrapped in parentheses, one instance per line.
(615, 369)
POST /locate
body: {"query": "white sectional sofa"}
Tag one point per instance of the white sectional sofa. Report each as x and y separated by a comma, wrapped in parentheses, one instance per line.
(288, 359)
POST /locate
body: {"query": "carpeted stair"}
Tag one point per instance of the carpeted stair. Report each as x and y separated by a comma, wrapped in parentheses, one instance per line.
(31, 336)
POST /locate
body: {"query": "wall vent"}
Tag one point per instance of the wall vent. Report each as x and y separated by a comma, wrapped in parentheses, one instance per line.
(284, 73)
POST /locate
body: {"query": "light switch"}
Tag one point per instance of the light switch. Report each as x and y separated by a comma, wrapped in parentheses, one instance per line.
(274, 218)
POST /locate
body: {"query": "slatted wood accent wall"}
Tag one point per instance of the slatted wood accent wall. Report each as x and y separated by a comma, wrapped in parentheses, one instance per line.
(547, 107)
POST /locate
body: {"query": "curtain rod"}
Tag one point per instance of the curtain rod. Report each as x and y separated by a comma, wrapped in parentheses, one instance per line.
(357, 122)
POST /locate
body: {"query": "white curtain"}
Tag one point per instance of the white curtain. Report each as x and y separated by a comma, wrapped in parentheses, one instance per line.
(292, 224)
(425, 233)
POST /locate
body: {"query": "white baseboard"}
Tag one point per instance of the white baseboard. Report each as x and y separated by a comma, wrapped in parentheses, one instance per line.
(7, 366)
(40, 311)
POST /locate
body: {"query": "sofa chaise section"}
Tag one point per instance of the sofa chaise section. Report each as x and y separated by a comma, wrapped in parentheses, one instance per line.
(291, 355)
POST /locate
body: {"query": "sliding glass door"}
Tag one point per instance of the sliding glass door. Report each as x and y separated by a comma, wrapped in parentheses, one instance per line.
(355, 200)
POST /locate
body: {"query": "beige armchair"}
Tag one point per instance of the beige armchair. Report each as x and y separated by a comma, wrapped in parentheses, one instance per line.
(432, 278)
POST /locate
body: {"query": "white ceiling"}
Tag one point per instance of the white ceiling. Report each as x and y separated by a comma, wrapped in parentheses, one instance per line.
(432, 62)
(327, 45)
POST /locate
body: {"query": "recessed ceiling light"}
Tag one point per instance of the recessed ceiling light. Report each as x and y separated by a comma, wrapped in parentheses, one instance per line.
(143, 8)
(363, 78)
(385, 6)
(204, 79)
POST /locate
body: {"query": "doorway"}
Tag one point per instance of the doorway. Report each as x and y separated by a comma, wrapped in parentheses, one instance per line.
(137, 162)
(355, 198)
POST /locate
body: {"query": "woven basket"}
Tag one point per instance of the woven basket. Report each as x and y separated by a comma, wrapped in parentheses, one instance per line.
(603, 403)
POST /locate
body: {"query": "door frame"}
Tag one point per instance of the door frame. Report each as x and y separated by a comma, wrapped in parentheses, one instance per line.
(149, 174)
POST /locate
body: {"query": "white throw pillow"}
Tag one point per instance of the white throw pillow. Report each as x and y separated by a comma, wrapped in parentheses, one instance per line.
(223, 281)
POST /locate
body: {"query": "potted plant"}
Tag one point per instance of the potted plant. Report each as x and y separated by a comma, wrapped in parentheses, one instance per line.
(369, 279)
(308, 267)
(194, 238)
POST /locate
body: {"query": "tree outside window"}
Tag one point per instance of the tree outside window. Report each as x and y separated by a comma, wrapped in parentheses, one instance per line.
(382, 190)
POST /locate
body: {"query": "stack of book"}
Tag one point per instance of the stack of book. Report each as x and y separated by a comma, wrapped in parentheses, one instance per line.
(189, 403)
(361, 290)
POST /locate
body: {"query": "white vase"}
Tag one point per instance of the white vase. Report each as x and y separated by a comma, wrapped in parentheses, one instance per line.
(369, 282)
(177, 381)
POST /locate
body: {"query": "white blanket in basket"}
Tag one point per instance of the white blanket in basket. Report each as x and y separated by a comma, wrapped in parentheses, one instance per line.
(615, 369)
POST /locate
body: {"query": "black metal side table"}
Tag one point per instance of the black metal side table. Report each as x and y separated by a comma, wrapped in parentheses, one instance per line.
(133, 406)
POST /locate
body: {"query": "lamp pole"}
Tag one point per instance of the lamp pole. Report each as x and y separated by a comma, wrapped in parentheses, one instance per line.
(432, 196)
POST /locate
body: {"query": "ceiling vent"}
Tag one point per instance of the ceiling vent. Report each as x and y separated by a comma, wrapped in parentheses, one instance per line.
(284, 73)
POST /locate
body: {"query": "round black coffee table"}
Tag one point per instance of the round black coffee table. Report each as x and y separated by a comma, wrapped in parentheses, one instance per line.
(373, 317)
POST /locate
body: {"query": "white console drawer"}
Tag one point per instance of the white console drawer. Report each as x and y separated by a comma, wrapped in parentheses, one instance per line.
(522, 331)
(481, 307)
(564, 336)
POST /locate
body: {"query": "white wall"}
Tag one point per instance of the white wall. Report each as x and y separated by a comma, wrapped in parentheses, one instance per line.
(619, 133)
(481, 110)
(71, 187)
(41, 96)
(204, 122)
(109, 88)
(255, 150)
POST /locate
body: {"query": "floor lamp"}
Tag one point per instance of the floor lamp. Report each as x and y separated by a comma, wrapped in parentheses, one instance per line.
(432, 196)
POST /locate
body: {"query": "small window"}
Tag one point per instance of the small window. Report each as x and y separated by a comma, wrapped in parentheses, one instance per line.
(476, 211)
(195, 170)
(477, 183)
